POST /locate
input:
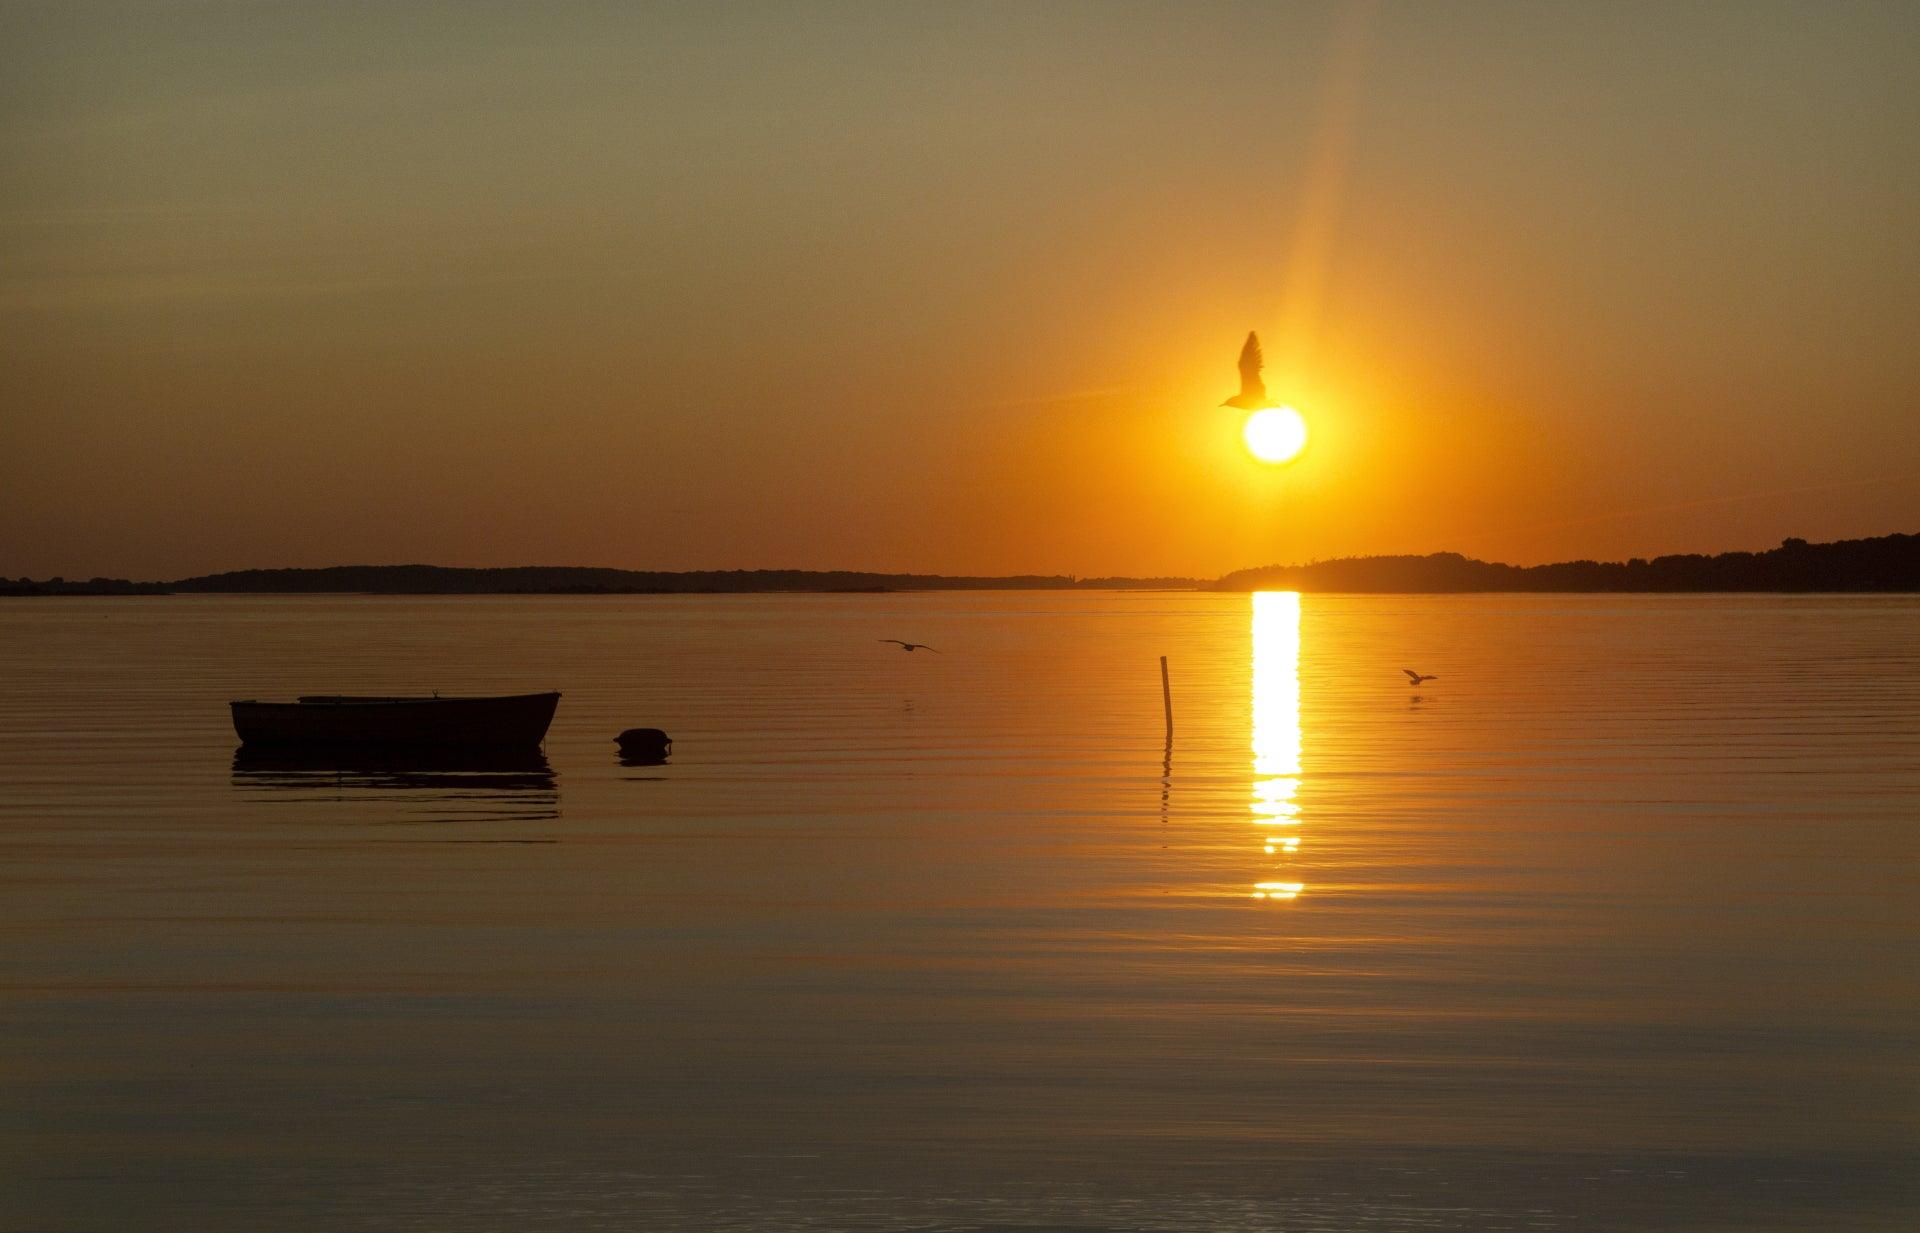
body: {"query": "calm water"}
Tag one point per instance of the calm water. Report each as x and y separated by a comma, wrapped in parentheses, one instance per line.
(1614, 926)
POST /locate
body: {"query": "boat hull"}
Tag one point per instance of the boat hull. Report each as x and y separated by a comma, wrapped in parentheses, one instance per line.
(517, 721)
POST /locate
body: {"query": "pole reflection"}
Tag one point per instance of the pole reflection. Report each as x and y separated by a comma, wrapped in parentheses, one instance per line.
(1276, 733)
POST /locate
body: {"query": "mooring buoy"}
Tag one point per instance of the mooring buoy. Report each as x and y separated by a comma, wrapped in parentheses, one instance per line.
(644, 743)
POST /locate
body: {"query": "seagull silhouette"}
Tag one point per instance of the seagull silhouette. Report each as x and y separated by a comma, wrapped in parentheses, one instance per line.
(1414, 678)
(1253, 391)
(912, 646)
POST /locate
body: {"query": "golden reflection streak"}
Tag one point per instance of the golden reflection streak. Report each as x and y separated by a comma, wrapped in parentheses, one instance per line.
(1276, 727)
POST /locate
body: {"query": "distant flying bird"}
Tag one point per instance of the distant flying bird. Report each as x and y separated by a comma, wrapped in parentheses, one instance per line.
(1253, 391)
(912, 646)
(1414, 678)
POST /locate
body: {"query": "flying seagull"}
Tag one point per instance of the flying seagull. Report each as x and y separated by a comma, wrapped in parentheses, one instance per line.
(1414, 678)
(912, 646)
(1253, 391)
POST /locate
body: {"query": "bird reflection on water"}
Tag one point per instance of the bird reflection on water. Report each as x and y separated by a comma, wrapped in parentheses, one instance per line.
(441, 784)
(1276, 733)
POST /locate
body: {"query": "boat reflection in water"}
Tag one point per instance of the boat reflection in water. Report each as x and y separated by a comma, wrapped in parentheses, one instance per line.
(1276, 736)
(424, 784)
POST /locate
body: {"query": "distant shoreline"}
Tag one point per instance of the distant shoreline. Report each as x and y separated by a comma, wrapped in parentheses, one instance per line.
(160, 590)
(574, 580)
(1881, 565)
(1884, 564)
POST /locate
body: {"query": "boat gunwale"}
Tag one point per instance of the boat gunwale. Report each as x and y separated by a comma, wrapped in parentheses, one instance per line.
(328, 701)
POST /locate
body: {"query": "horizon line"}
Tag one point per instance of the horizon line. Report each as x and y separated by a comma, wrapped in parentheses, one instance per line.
(1075, 578)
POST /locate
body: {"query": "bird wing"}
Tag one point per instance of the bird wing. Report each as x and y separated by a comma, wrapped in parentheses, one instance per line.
(895, 641)
(1412, 675)
(1251, 362)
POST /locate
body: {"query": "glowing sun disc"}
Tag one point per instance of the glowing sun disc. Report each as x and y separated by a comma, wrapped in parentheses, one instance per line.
(1277, 434)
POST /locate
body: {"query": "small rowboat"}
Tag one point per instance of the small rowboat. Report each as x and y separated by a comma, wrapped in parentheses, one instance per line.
(517, 721)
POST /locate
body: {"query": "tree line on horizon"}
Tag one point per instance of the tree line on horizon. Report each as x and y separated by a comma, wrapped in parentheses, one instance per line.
(1882, 563)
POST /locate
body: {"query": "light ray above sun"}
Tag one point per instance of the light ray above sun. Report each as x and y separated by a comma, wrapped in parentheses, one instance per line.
(1275, 434)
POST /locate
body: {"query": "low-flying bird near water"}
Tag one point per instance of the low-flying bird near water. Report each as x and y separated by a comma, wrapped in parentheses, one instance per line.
(1414, 678)
(1253, 391)
(912, 646)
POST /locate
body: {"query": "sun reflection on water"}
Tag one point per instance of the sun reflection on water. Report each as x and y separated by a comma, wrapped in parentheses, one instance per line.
(1276, 728)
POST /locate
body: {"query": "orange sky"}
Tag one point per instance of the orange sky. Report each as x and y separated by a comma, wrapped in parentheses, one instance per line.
(949, 289)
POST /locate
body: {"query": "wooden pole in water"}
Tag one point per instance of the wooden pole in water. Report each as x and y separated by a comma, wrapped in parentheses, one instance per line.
(1166, 699)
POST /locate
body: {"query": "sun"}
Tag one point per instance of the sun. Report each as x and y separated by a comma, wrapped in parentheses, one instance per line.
(1277, 434)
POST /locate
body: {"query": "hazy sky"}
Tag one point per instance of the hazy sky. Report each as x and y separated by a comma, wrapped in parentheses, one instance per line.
(949, 288)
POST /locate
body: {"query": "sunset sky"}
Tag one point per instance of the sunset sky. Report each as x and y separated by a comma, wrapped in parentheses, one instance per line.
(949, 288)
